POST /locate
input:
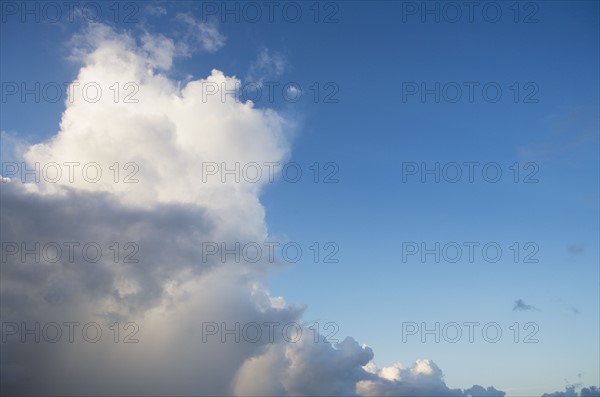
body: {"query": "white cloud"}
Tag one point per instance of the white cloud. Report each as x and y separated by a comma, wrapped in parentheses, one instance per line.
(160, 49)
(423, 379)
(169, 133)
(391, 373)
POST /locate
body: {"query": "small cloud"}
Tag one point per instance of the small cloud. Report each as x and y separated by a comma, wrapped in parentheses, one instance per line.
(521, 306)
(205, 35)
(156, 10)
(566, 135)
(267, 65)
(576, 248)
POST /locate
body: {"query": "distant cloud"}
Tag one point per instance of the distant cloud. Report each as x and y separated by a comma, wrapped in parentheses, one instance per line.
(576, 248)
(566, 135)
(520, 305)
(570, 391)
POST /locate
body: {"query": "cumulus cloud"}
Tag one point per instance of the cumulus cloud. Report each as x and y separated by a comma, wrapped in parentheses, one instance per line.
(305, 368)
(167, 133)
(423, 379)
(169, 294)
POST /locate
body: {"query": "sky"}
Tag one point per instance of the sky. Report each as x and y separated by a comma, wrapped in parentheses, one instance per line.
(300, 198)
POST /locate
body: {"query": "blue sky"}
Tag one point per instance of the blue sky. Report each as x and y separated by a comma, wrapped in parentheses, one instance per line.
(371, 55)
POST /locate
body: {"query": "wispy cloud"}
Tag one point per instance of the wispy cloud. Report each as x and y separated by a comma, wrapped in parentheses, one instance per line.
(204, 35)
(267, 65)
(520, 305)
(576, 248)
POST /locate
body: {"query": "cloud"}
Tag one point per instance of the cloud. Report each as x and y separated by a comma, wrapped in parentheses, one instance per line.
(570, 391)
(267, 65)
(423, 379)
(520, 305)
(168, 133)
(155, 10)
(12, 148)
(160, 49)
(576, 248)
(169, 294)
(305, 369)
(565, 137)
(205, 35)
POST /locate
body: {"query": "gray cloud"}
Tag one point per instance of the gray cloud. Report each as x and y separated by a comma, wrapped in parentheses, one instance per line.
(520, 305)
(571, 391)
(576, 248)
